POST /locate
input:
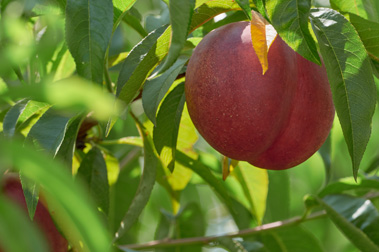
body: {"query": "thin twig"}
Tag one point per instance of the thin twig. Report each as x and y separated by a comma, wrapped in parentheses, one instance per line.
(243, 233)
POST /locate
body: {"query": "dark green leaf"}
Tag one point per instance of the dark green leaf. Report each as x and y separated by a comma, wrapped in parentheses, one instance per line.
(240, 214)
(356, 218)
(133, 22)
(155, 89)
(261, 6)
(93, 171)
(72, 209)
(31, 109)
(348, 184)
(88, 31)
(374, 165)
(145, 186)
(245, 6)
(139, 63)
(12, 220)
(294, 239)
(364, 8)
(326, 155)
(180, 16)
(350, 76)
(167, 128)
(12, 116)
(49, 131)
(120, 9)
(368, 31)
(278, 197)
(66, 151)
(290, 19)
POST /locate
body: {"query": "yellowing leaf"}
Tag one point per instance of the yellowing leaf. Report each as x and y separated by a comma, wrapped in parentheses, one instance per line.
(228, 166)
(262, 36)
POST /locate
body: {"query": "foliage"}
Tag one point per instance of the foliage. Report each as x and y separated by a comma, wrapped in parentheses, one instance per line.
(94, 90)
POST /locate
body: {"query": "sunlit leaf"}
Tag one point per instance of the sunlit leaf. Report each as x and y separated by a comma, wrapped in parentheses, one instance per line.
(290, 19)
(245, 6)
(350, 76)
(364, 8)
(11, 118)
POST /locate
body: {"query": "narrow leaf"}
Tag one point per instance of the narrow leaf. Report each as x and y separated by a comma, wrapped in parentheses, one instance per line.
(155, 89)
(349, 184)
(326, 154)
(49, 131)
(261, 39)
(245, 6)
(278, 196)
(290, 19)
(368, 31)
(139, 63)
(93, 171)
(12, 116)
(254, 182)
(167, 128)
(353, 216)
(145, 186)
(12, 220)
(350, 76)
(120, 9)
(31, 194)
(88, 31)
(180, 16)
(364, 8)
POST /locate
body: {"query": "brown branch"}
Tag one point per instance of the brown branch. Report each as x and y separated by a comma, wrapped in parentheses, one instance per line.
(206, 240)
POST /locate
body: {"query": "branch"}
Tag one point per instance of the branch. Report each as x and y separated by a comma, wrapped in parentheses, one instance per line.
(206, 240)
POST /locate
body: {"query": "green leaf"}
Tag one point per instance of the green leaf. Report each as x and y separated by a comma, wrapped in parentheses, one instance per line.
(32, 108)
(278, 197)
(31, 194)
(364, 8)
(231, 245)
(66, 151)
(139, 63)
(120, 9)
(12, 116)
(350, 76)
(261, 7)
(294, 239)
(49, 131)
(88, 31)
(245, 6)
(93, 171)
(290, 19)
(374, 165)
(254, 182)
(155, 89)
(240, 214)
(167, 128)
(348, 184)
(135, 23)
(71, 207)
(145, 186)
(12, 220)
(356, 218)
(326, 154)
(368, 31)
(180, 16)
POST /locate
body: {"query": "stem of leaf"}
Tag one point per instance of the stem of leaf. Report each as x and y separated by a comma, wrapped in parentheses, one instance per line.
(243, 233)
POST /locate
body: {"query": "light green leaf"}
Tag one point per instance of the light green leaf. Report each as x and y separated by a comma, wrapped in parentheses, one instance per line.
(167, 128)
(240, 214)
(356, 218)
(12, 116)
(368, 31)
(145, 186)
(31, 194)
(278, 197)
(294, 239)
(180, 16)
(350, 76)
(139, 63)
(88, 31)
(120, 9)
(348, 184)
(290, 19)
(12, 220)
(72, 209)
(49, 131)
(93, 171)
(254, 182)
(364, 8)
(155, 89)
